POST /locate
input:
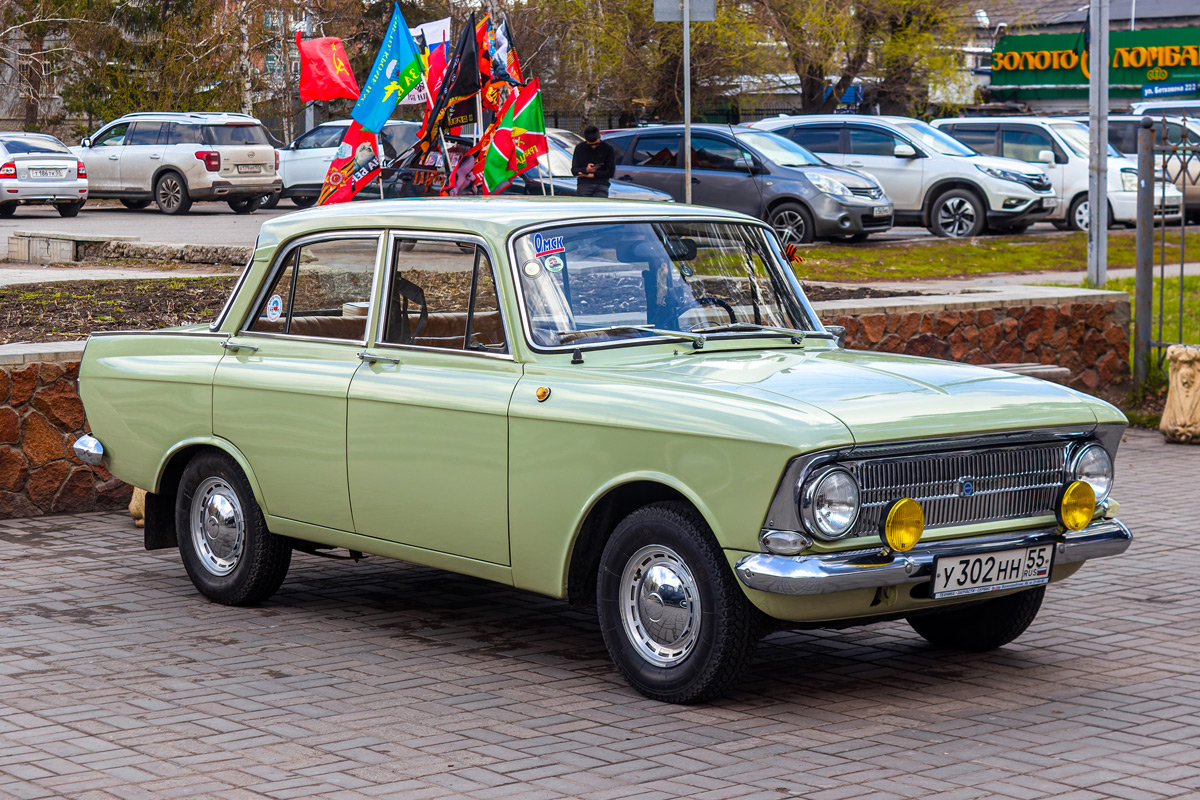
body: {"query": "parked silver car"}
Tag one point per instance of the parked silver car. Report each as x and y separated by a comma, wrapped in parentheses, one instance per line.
(175, 159)
(37, 169)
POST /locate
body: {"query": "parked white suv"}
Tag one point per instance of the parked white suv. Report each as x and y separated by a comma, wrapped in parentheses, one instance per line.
(932, 179)
(174, 159)
(1059, 146)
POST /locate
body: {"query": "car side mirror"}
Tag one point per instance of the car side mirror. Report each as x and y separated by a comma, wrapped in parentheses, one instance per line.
(905, 151)
(85, 141)
(839, 334)
(749, 165)
(1046, 157)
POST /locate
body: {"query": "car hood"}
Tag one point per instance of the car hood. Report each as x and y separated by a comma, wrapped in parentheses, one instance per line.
(884, 397)
(1010, 164)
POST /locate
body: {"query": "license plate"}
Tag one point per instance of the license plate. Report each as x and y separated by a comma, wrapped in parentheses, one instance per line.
(989, 572)
(47, 173)
(1049, 203)
(244, 168)
(882, 211)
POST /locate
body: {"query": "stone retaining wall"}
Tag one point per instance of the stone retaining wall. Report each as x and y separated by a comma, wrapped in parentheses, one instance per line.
(40, 418)
(1085, 331)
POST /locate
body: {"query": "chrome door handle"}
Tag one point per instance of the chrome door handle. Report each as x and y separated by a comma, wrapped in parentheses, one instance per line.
(371, 358)
(156, 156)
(113, 158)
(228, 345)
(695, 181)
(854, 164)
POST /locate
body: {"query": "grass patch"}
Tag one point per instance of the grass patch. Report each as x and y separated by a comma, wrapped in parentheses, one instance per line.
(945, 258)
(1169, 305)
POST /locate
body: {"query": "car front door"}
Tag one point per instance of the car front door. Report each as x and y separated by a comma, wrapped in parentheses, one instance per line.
(279, 394)
(873, 150)
(427, 420)
(722, 176)
(142, 155)
(654, 162)
(1026, 143)
(311, 156)
(103, 159)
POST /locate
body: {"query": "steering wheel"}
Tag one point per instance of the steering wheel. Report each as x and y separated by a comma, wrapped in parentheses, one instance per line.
(709, 300)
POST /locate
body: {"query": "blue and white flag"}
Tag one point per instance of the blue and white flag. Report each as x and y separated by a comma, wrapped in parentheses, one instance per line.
(396, 72)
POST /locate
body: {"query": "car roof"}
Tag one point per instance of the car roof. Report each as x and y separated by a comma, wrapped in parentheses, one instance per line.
(1005, 118)
(793, 119)
(492, 217)
(195, 117)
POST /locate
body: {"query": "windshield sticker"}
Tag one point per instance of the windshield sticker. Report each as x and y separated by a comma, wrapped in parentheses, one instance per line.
(274, 308)
(532, 268)
(686, 270)
(545, 245)
(554, 263)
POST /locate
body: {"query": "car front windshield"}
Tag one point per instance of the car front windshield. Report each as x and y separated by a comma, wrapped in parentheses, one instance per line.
(1078, 138)
(601, 282)
(17, 145)
(935, 140)
(779, 149)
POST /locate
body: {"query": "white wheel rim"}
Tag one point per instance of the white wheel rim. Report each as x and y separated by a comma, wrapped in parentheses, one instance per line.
(957, 216)
(218, 526)
(1082, 216)
(660, 606)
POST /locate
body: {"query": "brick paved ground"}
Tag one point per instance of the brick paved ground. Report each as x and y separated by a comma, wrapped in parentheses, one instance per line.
(385, 680)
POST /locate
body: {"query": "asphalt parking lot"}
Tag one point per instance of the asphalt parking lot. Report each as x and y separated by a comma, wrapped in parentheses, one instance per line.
(385, 680)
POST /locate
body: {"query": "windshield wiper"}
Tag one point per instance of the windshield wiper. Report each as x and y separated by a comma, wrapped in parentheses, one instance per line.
(797, 337)
(566, 337)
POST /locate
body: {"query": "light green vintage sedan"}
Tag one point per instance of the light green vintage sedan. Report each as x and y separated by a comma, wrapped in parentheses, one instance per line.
(610, 402)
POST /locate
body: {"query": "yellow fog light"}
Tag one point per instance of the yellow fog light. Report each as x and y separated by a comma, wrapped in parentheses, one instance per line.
(1076, 506)
(903, 524)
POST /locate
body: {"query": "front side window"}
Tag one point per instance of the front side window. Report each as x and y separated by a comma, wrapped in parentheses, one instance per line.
(620, 281)
(442, 294)
(323, 290)
(113, 137)
(872, 142)
(661, 150)
(709, 153)
(324, 136)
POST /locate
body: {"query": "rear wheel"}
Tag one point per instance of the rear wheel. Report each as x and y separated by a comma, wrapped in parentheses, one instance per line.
(674, 619)
(135, 204)
(171, 194)
(245, 205)
(981, 626)
(269, 200)
(226, 548)
(70, 209)
(793, 223)
(957, 214)
(303, 201)
(7, 209)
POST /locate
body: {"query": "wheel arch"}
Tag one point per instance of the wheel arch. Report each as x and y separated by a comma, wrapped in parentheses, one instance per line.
(945, 185)
(171, 468)
(783, 200)
(165, 168)
(611, 505)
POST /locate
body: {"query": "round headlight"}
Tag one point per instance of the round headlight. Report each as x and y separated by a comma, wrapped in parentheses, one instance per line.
(1093, 466)
(829, 503)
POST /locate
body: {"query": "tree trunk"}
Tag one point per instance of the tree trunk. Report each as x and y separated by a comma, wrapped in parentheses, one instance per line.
(33, 82)
(244, 64)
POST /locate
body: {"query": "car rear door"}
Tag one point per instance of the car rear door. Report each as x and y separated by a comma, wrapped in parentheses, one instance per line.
(654, 162)
(825, 140)
(872, 149)
(142, 155)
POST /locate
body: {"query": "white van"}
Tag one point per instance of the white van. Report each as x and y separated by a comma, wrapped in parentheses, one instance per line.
(1060, 146)
(1169, 108)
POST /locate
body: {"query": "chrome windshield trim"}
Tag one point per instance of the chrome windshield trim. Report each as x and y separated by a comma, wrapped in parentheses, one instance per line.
(872, 569)
(818, 332)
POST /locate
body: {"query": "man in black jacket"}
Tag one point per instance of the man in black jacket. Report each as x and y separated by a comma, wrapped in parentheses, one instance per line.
(593, 164)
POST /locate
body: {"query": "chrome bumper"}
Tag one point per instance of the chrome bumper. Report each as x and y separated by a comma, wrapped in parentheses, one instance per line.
(88, 449)
(840, 572)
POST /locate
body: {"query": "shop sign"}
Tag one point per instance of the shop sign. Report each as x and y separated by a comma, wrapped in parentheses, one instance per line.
(1136, 58)
(1169, 89)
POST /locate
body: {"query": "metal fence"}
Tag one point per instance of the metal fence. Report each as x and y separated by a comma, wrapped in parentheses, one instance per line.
(1160, 162)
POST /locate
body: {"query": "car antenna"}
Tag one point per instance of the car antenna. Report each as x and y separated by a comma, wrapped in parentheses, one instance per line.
(577, 356)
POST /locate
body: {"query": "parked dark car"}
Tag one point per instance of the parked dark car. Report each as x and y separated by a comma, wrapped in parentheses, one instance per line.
(757, 173)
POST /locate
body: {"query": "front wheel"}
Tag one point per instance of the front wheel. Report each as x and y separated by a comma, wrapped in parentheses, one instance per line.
(303, 201)
(957, 214)
(245, 205)
(135, 204)
(674, 619)
(226, 548)
(793, 223)
(980, 626)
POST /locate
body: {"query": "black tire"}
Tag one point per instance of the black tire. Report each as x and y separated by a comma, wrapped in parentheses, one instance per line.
(957, 214)
(7, 209)
(856, 238)
(1077, 215)
(980, 626)
(1013, 230)
(1062, 226)
(226, 548)
(136, 205)
(715, 628)
(303, 201)
(171, 194)
(269, 201)
(793, 224)
(245, 205)
(70, 209)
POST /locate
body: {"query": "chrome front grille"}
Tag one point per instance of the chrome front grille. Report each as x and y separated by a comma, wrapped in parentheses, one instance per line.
(873, 192)
(963, 487)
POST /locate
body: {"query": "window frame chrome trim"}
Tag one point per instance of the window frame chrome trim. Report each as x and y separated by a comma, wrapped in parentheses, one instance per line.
(216, 324)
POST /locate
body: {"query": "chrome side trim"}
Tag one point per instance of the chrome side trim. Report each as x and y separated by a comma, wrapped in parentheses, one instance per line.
(88, 450)
(840, 572)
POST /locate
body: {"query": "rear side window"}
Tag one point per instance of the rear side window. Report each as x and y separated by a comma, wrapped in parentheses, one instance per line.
(979, 137)
(657, 150)
(178, 133)
(216, 135)
(872, 142)
(619, 145)
(818, 138)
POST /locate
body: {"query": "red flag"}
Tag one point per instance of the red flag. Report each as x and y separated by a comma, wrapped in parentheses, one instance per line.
(325, 70)
(355, 165)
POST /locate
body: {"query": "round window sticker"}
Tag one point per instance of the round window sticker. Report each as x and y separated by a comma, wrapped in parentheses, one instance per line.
(532, 268)
(686, 270)
(554, 263)
(274, 308)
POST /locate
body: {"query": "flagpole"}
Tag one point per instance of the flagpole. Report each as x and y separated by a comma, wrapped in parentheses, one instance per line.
(379, 155)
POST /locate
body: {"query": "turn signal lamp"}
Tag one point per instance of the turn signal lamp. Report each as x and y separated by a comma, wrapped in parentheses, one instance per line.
(9, 170)
(80, 170)
(903, 524)
(1076, 506)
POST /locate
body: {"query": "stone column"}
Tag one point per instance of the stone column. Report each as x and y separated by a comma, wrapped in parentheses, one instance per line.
(1181, 417)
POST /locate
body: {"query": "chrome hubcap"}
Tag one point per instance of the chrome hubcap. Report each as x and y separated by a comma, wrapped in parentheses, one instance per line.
(956, 216)
(218, 526)
(660, 606)
(790, 227)
(1082, 216)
